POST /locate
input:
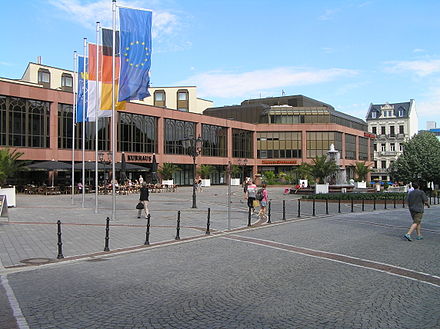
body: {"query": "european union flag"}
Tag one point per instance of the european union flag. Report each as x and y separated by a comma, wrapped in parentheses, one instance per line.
(135, 34)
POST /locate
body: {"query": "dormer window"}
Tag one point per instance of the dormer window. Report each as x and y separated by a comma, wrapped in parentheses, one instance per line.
(373, 115)
(400, 113)
(44, 78)
(66, 82)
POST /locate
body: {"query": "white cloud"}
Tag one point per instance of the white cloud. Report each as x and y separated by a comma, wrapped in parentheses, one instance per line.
(430, 106)
(88, 13)
(420, 68)
(328, 14)
(225, 84)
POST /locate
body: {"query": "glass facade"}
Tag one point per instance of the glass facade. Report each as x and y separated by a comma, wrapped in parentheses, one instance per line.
(137, 133)
(242, 143)
(363, 148)
(65, 118)
(318, 143)
(175, 132)
(214, 141)
(350, 147)
(284, 145)
(24, 122)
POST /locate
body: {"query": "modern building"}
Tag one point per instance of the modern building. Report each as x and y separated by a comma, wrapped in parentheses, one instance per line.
(393, 124)
(431, 125)
(36, 118)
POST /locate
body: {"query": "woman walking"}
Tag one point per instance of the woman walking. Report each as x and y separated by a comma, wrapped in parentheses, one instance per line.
(143, 198)
(263, 203)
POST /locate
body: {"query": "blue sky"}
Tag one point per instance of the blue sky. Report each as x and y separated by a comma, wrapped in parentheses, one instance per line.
(346, 53)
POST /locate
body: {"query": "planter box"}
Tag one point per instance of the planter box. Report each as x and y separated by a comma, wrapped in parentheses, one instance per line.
(206, 182)
(321, 188)
(235, 181)
(360, 184)
(303, 181)
(10, 195)
(168, 182)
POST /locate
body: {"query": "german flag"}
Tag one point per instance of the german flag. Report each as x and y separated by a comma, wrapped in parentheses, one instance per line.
(107, 72)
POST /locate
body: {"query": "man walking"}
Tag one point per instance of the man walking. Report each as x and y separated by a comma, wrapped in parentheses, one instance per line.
(416, 199)
(251, 194)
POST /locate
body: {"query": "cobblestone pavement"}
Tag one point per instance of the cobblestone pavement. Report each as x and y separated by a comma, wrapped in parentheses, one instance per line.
(349, 270)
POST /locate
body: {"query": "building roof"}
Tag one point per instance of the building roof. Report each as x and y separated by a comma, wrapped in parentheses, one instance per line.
(395, 107)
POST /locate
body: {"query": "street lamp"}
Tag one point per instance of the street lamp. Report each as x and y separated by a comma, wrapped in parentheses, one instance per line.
(102, 159)
(242, 163)
(193, 147)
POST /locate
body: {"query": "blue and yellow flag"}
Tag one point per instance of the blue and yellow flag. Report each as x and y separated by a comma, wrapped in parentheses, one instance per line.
(135, 34)
(81, 97)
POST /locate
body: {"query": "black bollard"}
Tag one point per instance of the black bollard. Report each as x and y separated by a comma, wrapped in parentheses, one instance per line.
(374, 203)
(363, 205)
(178, 226)
(352, 205)
(284, 209)
(339, 205)
(60, 243)
(107, 230)
(249, 216)
(147, 233)
(403, 202)
(385, 203)
(314, 210)
(208, 222)
(299, 207)
(268, 214)
(326, 206)
(394, 201)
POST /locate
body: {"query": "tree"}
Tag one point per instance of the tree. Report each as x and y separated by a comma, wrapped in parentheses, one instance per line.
(9, 164)
(269, 177)
(361, 170)
(303, 171)
(167, 170)
(322, 168)
(205, 171)
(420, 161)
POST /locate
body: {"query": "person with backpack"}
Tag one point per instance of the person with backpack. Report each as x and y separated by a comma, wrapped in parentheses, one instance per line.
(263, 197)
(251, 193)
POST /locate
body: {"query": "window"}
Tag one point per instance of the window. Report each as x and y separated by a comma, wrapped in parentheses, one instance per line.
(159, 98)
(318, 142)
(401, 129)
(385, 113)
(374, 130)
(175, 132)
(401, 147)
(375, 147)
(182, 100)
(137, 133)
(392, 147)
(214, 140)
(382, 130)
(242, 143)
(373, 115)
(383, 147)
(392, 132)
(350, 147)
(383, 164)
(400, 113)
(279, 145)
(44, 77)
(375, 164)
(66, 82)
(363, 148)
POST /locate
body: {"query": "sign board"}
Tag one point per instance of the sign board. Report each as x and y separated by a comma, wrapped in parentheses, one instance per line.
(3, 207)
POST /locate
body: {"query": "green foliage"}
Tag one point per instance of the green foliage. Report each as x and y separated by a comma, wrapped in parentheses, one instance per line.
(303, 171)
(9, 164)
(269, 177)
(167, 170)
(361, 170)
(358, 196)
(288, 177)
(205, 171)
(420, 160)
(235, 171)
(322, 168)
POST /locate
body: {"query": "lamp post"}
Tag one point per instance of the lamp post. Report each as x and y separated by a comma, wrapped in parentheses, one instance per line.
(193, 147)
(242, 163)
(104, 161)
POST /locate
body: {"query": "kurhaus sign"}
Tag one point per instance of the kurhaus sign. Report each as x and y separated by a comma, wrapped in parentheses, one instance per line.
(369, 135)
(139, 158)
(279, 162)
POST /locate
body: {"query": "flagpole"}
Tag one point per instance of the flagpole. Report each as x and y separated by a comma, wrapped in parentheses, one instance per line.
(113, 113)
(75, 74)
(96, 117)
(84, 127)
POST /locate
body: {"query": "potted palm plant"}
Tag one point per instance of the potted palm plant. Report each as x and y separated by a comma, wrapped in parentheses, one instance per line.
(9, 166)
(361, 170)
(205, 172)
(320, 170)
(235, 175)
(166, 172)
